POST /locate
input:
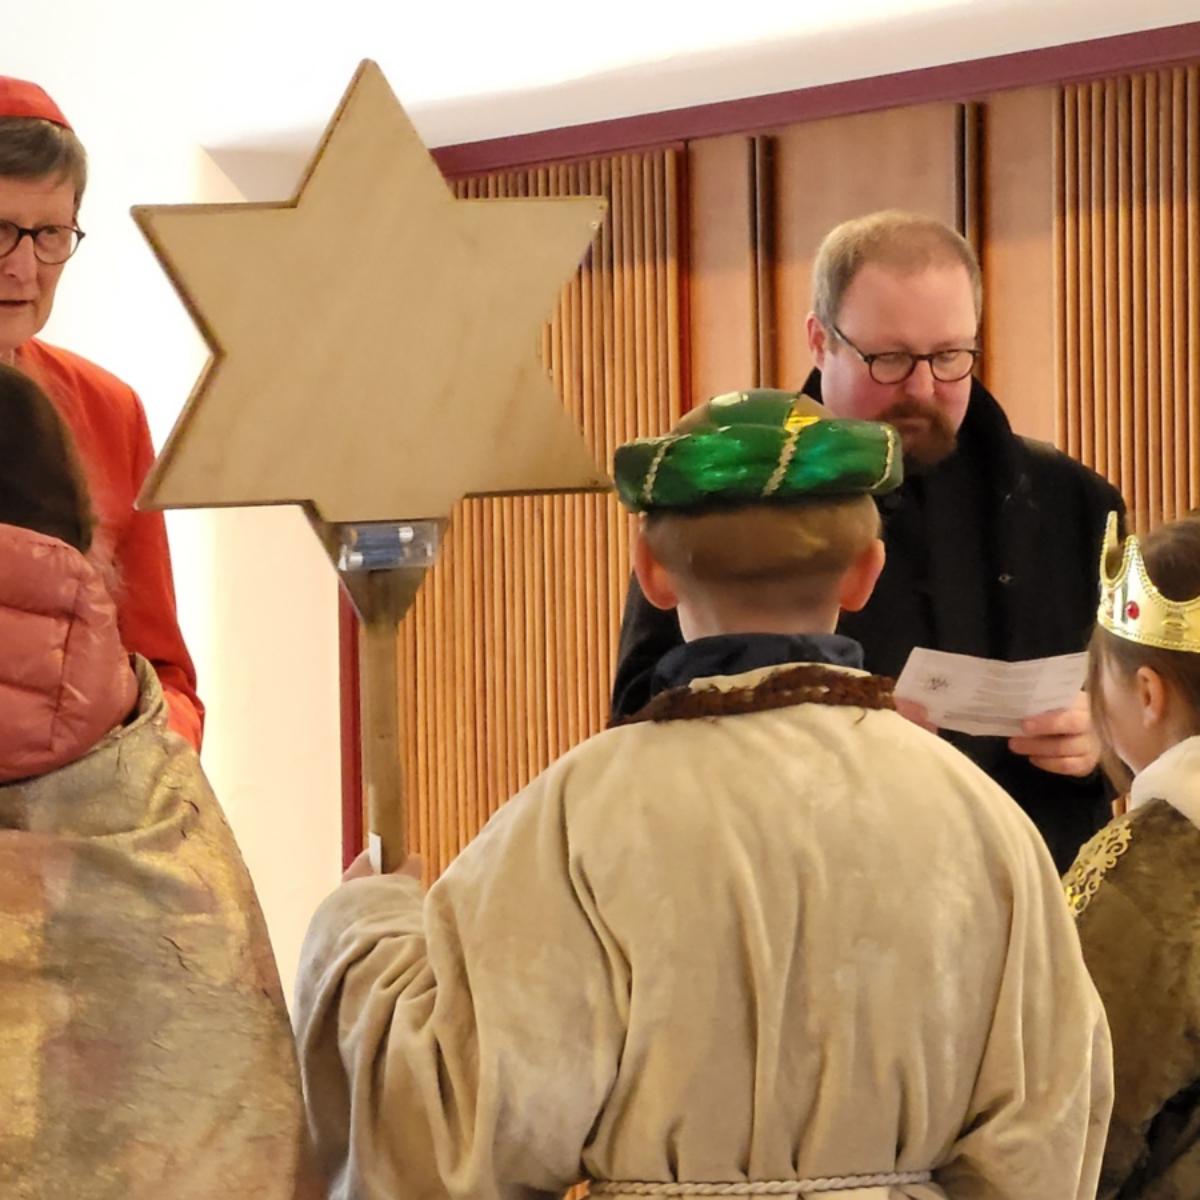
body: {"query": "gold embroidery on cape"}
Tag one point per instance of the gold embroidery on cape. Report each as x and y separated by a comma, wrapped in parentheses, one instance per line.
(1095, 861)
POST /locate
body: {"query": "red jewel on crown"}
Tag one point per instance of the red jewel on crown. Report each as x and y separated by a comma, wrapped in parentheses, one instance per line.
(1132, 611)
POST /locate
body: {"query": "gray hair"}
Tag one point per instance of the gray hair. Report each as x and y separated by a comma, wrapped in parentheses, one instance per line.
(31, 148)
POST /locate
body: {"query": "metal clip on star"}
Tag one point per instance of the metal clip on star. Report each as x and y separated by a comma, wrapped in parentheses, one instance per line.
(381, 564)
(388, 545)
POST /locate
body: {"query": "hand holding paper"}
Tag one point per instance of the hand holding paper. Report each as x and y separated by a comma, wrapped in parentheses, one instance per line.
(986, 697)
(1036, 704)
(1063, 742)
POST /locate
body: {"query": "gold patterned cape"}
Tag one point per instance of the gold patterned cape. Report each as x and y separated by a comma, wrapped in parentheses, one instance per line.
(145, 1050)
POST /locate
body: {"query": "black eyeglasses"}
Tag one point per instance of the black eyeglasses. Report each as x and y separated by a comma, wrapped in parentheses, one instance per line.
(52, 244)
(895, 366)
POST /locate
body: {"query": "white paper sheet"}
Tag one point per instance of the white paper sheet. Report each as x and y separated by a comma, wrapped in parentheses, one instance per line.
(987, 697)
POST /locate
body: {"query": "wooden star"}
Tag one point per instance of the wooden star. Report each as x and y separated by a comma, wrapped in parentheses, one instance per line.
(374, 339)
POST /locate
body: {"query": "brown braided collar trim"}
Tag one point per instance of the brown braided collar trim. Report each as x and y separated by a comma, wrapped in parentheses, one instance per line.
(806, 683)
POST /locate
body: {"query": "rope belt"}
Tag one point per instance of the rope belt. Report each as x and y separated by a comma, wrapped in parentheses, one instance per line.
(778, 1187)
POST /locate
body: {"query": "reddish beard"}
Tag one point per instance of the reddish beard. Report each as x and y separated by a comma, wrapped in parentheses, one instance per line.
(927, 443)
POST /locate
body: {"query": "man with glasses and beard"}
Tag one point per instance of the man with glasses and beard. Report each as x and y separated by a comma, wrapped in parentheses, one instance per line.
(993, 539)
(43, 171)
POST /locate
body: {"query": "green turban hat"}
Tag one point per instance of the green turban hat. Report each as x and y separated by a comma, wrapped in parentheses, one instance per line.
(757, 447)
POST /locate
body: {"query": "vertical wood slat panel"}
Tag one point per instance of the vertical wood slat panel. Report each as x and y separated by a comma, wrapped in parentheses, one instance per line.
(900, 158)
(1152, 416)
(1011, 176)
(762, 191)
(1085, 119)
(507, 655)
(1141, 338)
(722, 334)
(1130, 469)
(1066, 169)
(1192, 105)
(1179, 287)
(1110, 365)
(1128, 234)
(1165, 223)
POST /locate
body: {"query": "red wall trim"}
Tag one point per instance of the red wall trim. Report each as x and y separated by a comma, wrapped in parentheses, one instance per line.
(955, 81)
(351, 738)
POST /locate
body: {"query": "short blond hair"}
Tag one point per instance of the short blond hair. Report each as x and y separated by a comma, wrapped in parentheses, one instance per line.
(900, 241)
(776, 557)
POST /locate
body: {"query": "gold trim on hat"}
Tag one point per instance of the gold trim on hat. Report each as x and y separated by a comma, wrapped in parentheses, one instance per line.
(652, 470)
(786, 453)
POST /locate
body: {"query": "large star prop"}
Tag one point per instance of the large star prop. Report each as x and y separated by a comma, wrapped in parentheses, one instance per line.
(374, 340)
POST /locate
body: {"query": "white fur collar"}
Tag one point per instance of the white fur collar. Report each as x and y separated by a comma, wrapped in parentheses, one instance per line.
(1174, 777)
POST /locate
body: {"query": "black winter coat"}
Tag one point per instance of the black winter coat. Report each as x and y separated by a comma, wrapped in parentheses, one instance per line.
(995, 553)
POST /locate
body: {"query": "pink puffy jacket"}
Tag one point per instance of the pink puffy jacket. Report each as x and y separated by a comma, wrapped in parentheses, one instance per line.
(65, 679)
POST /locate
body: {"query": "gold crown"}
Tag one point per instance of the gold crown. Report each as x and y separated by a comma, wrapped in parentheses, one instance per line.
(1133, 608)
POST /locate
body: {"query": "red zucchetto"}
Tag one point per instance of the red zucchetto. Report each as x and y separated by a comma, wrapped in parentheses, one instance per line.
(18, 98)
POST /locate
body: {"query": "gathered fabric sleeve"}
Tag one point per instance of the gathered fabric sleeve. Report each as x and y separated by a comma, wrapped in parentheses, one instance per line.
(1042, 1100)
(453, 1041)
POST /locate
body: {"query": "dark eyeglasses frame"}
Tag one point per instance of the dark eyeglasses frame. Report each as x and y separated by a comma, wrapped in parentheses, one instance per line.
(870, 360)
(32, 235)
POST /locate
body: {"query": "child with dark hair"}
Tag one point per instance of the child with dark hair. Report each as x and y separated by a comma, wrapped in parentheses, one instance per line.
(41, 482)
(145, 1051)
(1136, 885)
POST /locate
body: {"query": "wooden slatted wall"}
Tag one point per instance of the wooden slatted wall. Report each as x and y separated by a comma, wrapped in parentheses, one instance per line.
(1128, 265)
(507, 656)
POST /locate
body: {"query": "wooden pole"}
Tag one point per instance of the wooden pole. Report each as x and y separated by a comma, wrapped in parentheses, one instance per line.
(382, 598)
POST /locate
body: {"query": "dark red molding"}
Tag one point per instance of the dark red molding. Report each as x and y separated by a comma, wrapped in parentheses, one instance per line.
(1071, 63)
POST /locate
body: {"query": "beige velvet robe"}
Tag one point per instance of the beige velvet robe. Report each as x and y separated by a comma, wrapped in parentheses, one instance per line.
(145, 1051)
(807, 942)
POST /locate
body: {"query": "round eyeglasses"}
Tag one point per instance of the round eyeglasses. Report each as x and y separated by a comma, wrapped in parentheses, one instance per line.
(52, 244)
(895, 366)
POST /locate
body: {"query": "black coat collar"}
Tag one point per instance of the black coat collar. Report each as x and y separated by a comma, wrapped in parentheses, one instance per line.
(987, 440)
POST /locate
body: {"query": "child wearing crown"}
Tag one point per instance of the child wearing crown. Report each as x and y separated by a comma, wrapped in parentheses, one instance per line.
(1136, 885)
(767, 937)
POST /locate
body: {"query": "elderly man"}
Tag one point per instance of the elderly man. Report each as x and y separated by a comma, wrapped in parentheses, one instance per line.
(992, 541)
(43, 170)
